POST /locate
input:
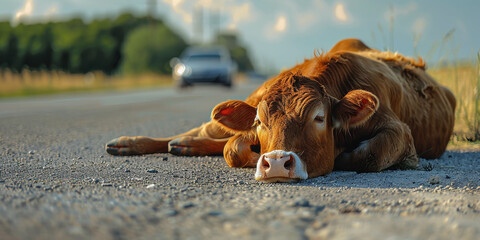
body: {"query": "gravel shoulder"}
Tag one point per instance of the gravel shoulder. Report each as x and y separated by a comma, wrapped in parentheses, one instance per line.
(56, 181)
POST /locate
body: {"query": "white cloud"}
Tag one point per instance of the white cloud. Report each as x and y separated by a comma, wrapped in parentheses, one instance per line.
(233, 12)
(51, 11)
(239, 14)
(310, 14)
(207, 4)
(419, 25)
(276, 27)
(177, 8)
(281, 24)
(25, 11)
(306, 20)
(340, 13)
(411, 7)
(400, 11)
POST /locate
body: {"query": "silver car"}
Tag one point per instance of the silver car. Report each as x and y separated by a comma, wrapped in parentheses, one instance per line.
(203, 65)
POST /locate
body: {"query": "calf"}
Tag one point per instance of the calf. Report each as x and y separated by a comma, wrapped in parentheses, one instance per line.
(352, 108)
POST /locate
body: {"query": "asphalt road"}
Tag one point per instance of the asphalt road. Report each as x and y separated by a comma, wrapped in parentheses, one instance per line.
(57, 182)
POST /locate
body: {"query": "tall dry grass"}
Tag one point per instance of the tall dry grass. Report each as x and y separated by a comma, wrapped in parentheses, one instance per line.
(464, 80)
(29, 83)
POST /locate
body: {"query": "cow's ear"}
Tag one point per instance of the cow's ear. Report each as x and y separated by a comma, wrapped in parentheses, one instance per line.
(235, 115)
(354, 109)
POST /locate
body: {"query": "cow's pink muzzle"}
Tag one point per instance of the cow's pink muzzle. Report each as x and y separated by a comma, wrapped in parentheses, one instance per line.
(280, 166)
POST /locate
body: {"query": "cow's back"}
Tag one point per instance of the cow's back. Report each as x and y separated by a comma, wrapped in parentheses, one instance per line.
(401, 84)
(425, 106)
(429, 110)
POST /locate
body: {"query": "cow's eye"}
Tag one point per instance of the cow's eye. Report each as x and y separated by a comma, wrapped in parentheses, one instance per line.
(260, 125)
(319, 119)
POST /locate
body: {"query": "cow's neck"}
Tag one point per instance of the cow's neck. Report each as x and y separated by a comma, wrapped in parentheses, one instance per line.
(333, 72)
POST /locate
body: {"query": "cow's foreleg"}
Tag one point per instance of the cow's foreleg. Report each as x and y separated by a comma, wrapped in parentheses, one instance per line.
(239, 153)
(196, 146)
(392, 145)
(138, 145)
(203, 140)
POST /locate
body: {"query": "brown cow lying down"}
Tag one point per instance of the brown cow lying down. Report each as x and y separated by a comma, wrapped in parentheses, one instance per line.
(352, 108)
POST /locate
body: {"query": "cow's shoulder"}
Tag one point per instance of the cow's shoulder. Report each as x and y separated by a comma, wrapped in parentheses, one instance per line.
(394, 59)
(350, 44)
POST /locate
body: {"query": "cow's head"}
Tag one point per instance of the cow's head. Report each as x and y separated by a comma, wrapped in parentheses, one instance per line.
(293, 124)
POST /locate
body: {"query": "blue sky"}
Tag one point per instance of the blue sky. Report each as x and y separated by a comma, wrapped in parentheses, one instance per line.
(280, 34)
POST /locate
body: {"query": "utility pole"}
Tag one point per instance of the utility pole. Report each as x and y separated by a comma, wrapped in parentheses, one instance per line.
(151, 10)
(198, 23)
(215, 22)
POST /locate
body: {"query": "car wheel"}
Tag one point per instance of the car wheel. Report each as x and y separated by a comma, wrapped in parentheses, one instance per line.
(181, 84)
(228, 83)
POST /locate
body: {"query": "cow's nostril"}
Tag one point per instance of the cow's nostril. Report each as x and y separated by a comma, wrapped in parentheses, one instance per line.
(288, 164)
(265, 163)
(255, 148)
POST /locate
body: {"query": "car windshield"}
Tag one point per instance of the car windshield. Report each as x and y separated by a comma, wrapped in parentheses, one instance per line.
(204, 57)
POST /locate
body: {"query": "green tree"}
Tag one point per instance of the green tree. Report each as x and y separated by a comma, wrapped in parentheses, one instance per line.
(238, 52)
(8, 46)
(79, 47)
(150, 48)
(67, 39)
(120, 28)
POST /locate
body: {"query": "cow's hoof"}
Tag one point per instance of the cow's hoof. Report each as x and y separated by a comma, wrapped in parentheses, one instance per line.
(122, 146)
(180, 146)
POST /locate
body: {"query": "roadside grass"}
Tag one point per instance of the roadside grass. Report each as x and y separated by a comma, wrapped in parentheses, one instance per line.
(464, 81)
(29, 83)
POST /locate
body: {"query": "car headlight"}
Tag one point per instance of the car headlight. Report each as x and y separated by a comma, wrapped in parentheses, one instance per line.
(182, 70)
